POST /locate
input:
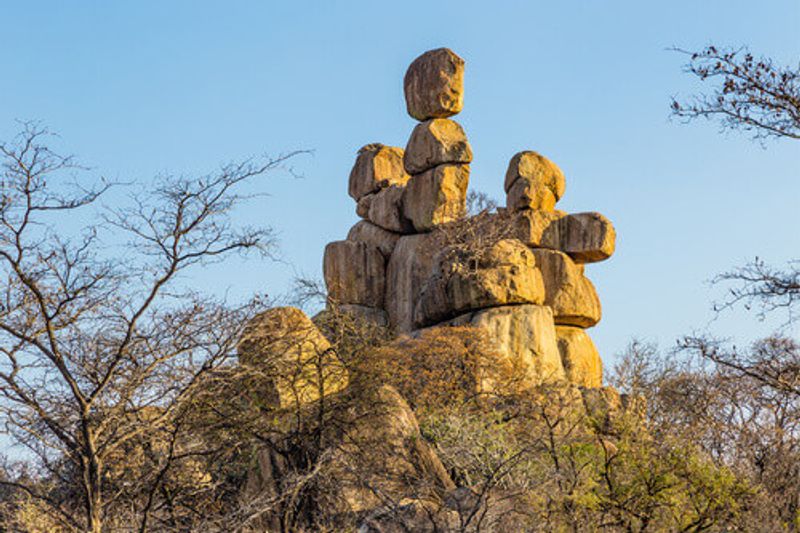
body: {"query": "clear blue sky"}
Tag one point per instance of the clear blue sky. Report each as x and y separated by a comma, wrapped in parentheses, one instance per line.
(137, 88)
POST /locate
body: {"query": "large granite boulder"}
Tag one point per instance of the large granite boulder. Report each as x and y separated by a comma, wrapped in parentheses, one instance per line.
(369, 315)
(569, 293)
(436, 142)
(354, 273)
(372, 453)
(533, 182)
(434, 85)
(524, 335)
(465, 278)
(579, 356)
(383, 240)
(531, 225)
(386, 210)
(585, 237)
(436, 197)
(377, 166)
(409, 267)
(296, 357)
(363, 205)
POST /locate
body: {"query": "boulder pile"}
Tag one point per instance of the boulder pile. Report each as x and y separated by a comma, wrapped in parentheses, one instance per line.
(409, 264)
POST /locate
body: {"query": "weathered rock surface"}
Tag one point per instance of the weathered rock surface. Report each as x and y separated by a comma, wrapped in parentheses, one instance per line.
(530, 225)
(436, 197)
(386, 210)
(354, 273)
(384, 454)
(527, 194)
(525, 335)
(363, 205)
(410, 265)
(533, 182)
(371, 315)
(579, 356)
(436, 142)
(294, 354)
(568, 292)
(375, 453)
(465, 279)
(384, 240)
(434, 85)
(586, 237)
(377, 166)
(535, 167)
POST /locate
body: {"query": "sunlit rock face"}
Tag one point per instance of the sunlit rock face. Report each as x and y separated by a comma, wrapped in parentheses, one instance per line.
(416, 260)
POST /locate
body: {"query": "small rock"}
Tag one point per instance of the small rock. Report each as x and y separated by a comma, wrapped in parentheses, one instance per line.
(434, 85)
(436, 142)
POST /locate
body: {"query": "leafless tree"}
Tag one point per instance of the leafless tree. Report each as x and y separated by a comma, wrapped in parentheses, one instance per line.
(752, 94)
(103, 343)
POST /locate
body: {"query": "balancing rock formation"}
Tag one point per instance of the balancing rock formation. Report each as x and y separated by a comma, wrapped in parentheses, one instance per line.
(408, 265)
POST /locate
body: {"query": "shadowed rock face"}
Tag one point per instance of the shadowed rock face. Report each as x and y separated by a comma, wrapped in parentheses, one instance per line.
(354, 273)
(437, 266)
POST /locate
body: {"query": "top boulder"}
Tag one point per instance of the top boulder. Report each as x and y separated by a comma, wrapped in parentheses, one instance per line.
(434, 85)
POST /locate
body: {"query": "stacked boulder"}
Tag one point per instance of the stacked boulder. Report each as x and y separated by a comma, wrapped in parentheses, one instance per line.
(402, 267)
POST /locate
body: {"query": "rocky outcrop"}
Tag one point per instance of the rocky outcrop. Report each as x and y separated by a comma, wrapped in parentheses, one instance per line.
(290, 350)
(434, 85)
(344, 443)
(438, 267)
